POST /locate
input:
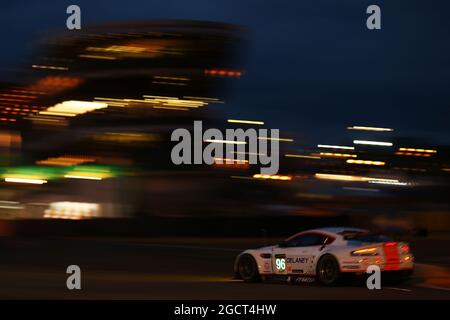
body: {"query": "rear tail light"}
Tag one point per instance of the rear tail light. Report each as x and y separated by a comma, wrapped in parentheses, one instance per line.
(404, 249)
(390, 244)
(372, 251)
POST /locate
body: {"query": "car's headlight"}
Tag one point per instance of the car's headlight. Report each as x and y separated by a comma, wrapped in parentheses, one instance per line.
(365, 252)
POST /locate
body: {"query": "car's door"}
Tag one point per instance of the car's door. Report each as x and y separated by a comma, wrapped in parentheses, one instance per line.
(297, 254)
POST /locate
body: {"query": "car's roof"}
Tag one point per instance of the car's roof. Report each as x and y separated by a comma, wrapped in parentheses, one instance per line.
(335, 232)
(338, 230)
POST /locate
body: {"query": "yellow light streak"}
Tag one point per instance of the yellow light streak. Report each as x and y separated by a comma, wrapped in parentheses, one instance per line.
(369, 128)
(418, 150)
(367, 162)
(335, 147)
(245, 121)
(276, 139)
(272, 177)
(301, 156)
(338, 155)
(341, 177)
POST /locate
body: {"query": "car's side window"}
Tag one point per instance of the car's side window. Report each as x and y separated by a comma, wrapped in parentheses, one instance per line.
(307, 240)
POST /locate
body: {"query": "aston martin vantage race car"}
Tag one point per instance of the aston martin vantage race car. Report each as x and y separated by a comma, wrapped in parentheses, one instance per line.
(328, 254)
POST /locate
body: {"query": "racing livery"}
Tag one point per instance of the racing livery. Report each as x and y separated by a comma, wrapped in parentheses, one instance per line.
(327, 254)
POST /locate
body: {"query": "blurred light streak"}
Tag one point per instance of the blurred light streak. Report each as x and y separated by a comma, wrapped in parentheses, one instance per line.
(73, 108)
(171, 101)
(338, 155)
(17, 96)
(396, 183)
(249, 153)
(117, 48)
(242, 177)
(25, 180)
(224, 141)
(204, 99)
(334, 147)
(15, 100)
(70, 176)
(46, 120)
(223, 73)
(230, 160)
(373, 143)
(301, 156)
(341, 177)
(109, 99)
(245, 121)
(369, 128)
(272, 177)
(72, 210)
(52, 84)
(276, 139)
(127, 137)
(68, 160)
(11, 205)
(413, 154)
(171, 78)
(157, 102)
(49, 67)
(418, 150)
(93, 56)
(89, 172)
(172, 108)
(367, 162)
(159, 97)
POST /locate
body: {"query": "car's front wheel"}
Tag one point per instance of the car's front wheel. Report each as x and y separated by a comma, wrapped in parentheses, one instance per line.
(328, 272)
(247, 268)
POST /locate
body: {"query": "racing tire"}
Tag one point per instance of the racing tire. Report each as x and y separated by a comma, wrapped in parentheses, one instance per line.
(327, 271)
(248, 269)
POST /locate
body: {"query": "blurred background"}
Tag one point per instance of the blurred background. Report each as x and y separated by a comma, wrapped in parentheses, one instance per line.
(86, 118)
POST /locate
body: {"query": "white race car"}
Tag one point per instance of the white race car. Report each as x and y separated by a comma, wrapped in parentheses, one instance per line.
(327, 254)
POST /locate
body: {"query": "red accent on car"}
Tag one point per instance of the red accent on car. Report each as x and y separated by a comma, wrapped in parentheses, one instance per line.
(391, 255)
(390, 244)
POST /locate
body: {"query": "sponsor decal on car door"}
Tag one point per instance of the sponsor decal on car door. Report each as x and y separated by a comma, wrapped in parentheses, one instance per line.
(297, 263)
(291, 260)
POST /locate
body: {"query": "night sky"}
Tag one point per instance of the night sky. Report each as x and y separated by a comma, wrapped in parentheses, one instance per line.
(312, 65)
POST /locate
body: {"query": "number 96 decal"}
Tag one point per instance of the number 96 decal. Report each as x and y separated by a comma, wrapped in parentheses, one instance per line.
(280, 263)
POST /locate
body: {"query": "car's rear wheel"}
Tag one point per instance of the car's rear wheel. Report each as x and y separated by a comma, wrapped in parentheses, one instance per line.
(328, 272)
(247, 269)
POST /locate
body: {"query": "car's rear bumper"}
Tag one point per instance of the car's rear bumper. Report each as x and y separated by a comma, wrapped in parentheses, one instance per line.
(360, 265)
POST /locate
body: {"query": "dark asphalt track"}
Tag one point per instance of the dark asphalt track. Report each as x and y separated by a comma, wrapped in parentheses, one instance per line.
(150, 269)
